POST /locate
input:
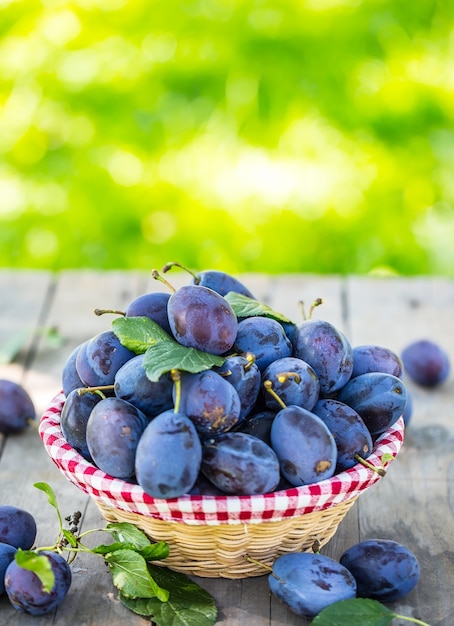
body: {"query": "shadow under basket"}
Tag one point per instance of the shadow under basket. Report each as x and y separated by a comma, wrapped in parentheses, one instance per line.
(211, 536)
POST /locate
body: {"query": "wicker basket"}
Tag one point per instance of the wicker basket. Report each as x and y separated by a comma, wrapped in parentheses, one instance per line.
(211, 535)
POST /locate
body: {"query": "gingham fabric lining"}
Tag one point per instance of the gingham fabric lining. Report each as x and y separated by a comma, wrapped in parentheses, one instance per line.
(212, 510)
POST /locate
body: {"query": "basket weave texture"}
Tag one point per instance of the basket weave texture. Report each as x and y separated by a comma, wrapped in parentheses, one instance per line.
(210, 535)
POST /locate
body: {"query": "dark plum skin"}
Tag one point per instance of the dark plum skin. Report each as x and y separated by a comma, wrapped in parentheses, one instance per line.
(294, 381)
(113, 432)
(350, 433)
(16, 407)
(168, 456)
(259, 425)
(133, 385)
(264, 338)
(17, 527)
(384, 570)
(245, 376)
(328, 352)
(99, 359)
(70, 378)
(240, 464)
(201, 318)
(209, 401)
(7, 554)
(25, 590)
(308, 582)
(426, 363)
(372, 358)
(221, 282)
(152, 305)
(74, 417)
(379, 398)
(305, 447)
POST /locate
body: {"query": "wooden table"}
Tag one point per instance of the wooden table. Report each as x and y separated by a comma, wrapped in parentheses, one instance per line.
(414, 504)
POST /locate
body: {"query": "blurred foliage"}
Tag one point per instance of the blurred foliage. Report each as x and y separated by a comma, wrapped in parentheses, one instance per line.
(248, 135)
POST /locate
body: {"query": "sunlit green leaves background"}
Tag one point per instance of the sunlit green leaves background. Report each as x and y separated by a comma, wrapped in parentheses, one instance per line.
(299, 135)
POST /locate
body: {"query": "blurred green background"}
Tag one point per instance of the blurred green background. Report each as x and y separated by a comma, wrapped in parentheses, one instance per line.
(253, 135)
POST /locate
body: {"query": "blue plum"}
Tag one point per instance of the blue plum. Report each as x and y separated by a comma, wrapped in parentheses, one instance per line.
(240, 464)
(242, 372)
(221, 282)
(294, 381)
(209, 401)
(114, 429)
(264, 338)
(17, 527)
(133, 385)
(384, 569)
(350, 433)
(328, 352)
(99, 359)
(74, 417)
(372, 358)
(152, 305)
(379, 398)
(305, 447)
(426, 363)
(168, 456)
(25, 590)
(201, 318)
(308, 582)
(70, 378)
(7, 554)
(16, 407)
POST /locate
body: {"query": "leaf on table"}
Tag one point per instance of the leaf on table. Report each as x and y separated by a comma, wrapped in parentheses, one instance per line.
(188, 603)
(51, 497)
(132, 577)
(355, 612)
(243, 306)
(12, 345)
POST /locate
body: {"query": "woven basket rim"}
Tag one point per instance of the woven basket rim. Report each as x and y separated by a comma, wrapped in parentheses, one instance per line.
(204, 509)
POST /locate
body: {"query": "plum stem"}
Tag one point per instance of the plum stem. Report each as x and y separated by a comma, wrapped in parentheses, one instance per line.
(99, 312)
(171, 264)
(176, 377)
(269, 387)
(157, 276)
(380, 470)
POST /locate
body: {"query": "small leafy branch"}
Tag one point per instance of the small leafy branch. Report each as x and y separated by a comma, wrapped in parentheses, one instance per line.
(152, 591)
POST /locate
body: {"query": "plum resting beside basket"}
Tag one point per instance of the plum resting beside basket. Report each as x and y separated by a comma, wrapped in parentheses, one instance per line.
(210, 536)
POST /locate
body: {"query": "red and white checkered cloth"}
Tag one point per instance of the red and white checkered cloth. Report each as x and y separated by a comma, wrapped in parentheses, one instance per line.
(212, 510)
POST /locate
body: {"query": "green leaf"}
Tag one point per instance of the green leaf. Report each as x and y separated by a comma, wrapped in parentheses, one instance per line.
(243, 306)
(152, 552)
(355, 612)
(138, 333)
(131, 576)
(170, 355)
(128, 533)
(162, 352)
(51, 498)
(70, 537)
(188, 603)
(39, 564)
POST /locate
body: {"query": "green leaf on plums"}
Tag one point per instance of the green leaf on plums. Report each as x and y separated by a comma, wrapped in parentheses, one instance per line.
(243, 306)
(131, 575)
(188, 603)
(138, 333)
(39, 565)
(170, 355)
(162, 352)
(359, 612)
